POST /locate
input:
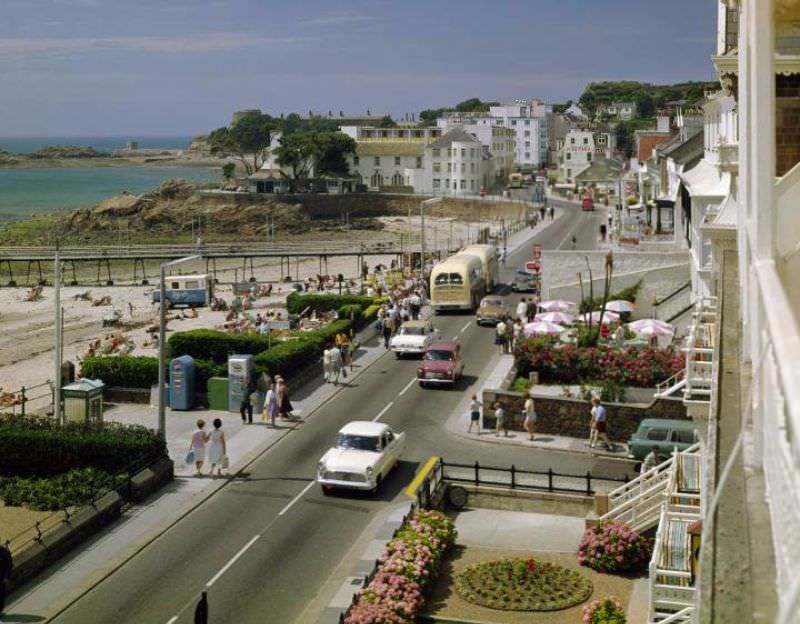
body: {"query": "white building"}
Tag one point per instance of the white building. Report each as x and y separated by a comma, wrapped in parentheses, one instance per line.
(499, 141)
(624, 111)
(527, 118)
(577, 154)
(456, 164)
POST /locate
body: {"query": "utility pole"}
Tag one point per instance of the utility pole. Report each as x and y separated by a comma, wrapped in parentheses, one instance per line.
(57, 284)
(422, 204)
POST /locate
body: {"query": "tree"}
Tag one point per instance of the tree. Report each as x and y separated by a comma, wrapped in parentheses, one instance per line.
(386, 122)
(324, 152)
(332, 149)
(625, 140)
(228, 170)
(296, 151)
(248, 139)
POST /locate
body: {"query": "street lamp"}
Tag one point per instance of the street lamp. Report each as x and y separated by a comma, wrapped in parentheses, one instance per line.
(422, 204)
(162, 322)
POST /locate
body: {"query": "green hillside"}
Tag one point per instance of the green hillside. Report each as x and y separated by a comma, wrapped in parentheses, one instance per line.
(648, 97)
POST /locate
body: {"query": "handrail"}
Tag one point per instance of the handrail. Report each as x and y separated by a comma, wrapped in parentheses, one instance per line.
(674, 293)
(672, 380)
(680, 313)
(684, 615)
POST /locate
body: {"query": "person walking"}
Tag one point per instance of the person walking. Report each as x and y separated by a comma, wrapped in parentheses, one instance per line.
(415, 303)
(599, 429)
(326, 364)
(500, 337)
(282, 394)
(500, 420)
(474, 414)
(552, 213)
(522, 310)
(198, 445)
(335, 364)
(529, 417)
(246, 406)
(386, 331)
(217, 450)
(270, 412)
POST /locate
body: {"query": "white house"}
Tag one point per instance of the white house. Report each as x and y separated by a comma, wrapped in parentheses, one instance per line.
(576, 155)
(455, 164)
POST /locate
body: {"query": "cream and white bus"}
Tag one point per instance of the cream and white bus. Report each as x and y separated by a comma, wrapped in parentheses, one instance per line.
(489, 264)
(457, 283)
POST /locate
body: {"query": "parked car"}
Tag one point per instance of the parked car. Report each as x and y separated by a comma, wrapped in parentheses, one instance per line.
(524, 281)
(413, 337)
(587, 203)
(491, 310)
(441, 364)
(664, 433)
(365, 452)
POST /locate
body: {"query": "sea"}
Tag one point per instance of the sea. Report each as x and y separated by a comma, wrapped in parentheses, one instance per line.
(25, 192)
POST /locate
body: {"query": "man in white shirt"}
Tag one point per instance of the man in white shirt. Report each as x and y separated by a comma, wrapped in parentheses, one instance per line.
(522, 310)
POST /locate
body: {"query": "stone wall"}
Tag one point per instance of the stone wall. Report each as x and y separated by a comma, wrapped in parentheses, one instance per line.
(570, 417)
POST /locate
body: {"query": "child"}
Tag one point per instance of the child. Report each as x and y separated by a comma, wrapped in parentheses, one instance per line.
(500, 424)
(474, 414)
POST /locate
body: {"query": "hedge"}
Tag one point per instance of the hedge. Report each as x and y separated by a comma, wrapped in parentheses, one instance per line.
(296, 303)
(71, 489)
(210, 344)
(286, 358)
(39, 447)
(127, 371)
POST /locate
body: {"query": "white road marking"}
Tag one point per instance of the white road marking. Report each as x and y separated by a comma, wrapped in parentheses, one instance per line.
(465, 328)
(231, 562)
(408, 385)
(296, 498)
(383, 411)
(173, 619)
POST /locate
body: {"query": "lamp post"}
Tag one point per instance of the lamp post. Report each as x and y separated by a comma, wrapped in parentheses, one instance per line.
(162, 322)
(422, 204)
(59, 340)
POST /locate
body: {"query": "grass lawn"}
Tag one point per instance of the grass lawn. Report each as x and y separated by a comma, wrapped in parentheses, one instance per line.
(446, 603)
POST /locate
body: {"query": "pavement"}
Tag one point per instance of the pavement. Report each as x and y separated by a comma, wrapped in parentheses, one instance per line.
(192, 527)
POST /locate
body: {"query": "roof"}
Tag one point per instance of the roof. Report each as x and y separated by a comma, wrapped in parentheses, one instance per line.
(422, 324)
(601, 169)
(266, 174)
(681, 149)
(668, 422)
(389, 148)
(364, 427)
(705, 180)
(443, 345)
(456, 135)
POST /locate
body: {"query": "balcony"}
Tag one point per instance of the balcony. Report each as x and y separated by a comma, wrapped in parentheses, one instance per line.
(699, 352)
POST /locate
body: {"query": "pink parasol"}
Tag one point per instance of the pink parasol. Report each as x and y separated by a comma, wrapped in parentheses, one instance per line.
(555, 317)
(556, 305)
(608, 317)
(651, 327)
(620, 305)
(542, 327)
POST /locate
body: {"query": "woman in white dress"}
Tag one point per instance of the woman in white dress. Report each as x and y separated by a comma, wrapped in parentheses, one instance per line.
(198, 445)
(216, 447)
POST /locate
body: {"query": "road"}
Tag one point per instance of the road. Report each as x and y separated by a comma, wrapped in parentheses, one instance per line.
(269, 539)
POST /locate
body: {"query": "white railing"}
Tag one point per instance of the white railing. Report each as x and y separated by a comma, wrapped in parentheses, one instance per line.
(684, 615)
(670, 590)
(671, 385)
(700, 352)
(638, 503)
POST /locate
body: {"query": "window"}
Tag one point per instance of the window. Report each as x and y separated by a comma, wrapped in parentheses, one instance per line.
(449, 167)
(527, 122)
(569, 173)
(472, 185)
(436, 152)
(472, 152)
(437, 167)
(527, 133)
(449, 152)
(419, 162)
(572, 141)
(437, 184)
(355, 161)
(396, 161)
(569, 155)
(377, 161)
(589, 157)
(601, 139)
(659, 435)
(447, 183)
(463, 152)
(513, 122)
(463, 184)
(585, 141)
(527, 155)
(192, 285)
(684, 436)
(527, 143)
(463, 167)
(472, 167)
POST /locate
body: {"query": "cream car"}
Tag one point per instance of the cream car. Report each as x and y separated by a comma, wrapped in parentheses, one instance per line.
(413, 337)
(364, 454)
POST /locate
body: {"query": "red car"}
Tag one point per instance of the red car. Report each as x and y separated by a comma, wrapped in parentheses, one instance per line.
(587, 203)
(441, 364)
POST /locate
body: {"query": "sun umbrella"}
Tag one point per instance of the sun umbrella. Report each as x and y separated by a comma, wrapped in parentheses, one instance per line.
(651, 327)
(594, 317)
(542, 327)
(556, 305)
(620, 305)
(555, 317)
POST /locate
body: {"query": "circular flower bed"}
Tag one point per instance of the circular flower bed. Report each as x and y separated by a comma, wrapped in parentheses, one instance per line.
(522, 585)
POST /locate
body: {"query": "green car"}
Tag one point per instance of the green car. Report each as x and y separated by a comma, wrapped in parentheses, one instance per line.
(663, 433)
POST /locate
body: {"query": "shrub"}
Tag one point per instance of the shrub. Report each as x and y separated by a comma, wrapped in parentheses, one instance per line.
(410, 561)
(613, 547)
(71, 489)
(568, 364)
(626, 294)
(609, 391)
(370, 313)
(210, 344)
(607, 610)
(296, 302)
(286, 358)
(38, 446)
(125, 371)
(204, 370)
(521, 384)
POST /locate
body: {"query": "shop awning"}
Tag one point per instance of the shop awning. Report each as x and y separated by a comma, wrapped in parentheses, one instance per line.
(706, 180)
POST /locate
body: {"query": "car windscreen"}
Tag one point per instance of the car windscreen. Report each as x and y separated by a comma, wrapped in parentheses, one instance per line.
(491, 303)
(412, 331)
(438, 355)
(356, 442)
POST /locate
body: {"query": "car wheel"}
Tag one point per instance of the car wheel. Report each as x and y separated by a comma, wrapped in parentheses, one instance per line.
(374, 490)
(326, 491)
(421, 384)
(397, 355)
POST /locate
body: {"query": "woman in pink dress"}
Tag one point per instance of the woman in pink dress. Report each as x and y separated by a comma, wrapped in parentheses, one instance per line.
(270, 412)
(198, 445)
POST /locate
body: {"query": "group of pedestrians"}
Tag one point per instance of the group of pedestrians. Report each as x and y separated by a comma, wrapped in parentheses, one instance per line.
(214, 443)
(501, 422)
(337, 358)
(276, 401)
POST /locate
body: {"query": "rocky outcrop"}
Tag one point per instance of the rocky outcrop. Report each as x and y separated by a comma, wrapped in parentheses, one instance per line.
(67, 151)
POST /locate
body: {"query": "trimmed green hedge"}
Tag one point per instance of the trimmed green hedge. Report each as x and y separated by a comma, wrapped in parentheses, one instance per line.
(39, 447)
(287, 358)
(210, 344)
(296, 303)
(127, 371)
(71, 489)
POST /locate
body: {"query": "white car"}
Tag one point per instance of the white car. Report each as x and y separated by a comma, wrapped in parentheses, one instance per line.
(364, 454)
(413, 337)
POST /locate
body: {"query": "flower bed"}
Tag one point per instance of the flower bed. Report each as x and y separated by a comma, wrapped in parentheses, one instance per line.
(408, 565)
(605, 611)
(613, 547)
(522, 585)
(569, 364)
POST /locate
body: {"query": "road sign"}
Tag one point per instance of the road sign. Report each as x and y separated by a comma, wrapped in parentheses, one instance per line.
(533, 266)
(537, 251)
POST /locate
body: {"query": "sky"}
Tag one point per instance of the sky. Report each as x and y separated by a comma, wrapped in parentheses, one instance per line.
(181, 67)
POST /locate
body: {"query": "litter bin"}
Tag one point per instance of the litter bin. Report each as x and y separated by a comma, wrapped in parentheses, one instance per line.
(83, 400)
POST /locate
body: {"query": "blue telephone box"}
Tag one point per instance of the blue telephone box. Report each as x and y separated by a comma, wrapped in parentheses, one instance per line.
(181, 383)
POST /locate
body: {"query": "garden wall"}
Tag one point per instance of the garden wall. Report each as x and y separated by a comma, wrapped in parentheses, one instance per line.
(570, 417)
